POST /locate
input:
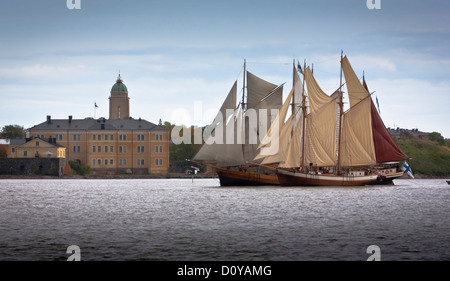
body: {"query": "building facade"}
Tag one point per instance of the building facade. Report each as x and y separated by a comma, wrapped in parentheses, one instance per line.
(118, 145)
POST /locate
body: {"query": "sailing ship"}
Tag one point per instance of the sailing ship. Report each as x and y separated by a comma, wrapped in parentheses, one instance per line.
(333, 147)
(233, 139)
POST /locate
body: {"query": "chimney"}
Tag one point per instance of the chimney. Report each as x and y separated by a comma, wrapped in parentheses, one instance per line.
(70, 118)
(49, 119)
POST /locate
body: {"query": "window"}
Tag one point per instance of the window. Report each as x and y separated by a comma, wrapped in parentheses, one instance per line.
(140, 149)
(93, 137)
(37, 143)
(124, 137)
(99, 162)
(160, 162)
(25, 153)
(140, 162)
(112, 137)
(76, 137)
(99, 137)
(156, 148)
(106, 137)
(93, 162)
(111, 162)
(59, 137)
(120, 137)
(93, 148)
(74, 149)
(160, 148)
(106, 161)
(99, 149)
(120, 149)
(106, 148)
(13, 150)
(111, 148)
(157, 136)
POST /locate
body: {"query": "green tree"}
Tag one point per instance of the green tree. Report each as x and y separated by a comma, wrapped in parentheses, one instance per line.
(435, 136)
(13, 132)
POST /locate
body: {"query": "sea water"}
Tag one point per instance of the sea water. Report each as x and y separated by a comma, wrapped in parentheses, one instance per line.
(198, 220)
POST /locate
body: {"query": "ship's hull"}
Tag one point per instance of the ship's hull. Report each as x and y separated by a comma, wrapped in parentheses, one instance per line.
(238, 178)
(386, 179)
(293, 178)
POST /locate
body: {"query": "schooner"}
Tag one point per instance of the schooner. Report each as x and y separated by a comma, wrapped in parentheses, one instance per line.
(336, 148)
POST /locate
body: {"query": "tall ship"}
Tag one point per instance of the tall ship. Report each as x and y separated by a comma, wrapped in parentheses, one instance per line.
(232, 140)
(330, 147)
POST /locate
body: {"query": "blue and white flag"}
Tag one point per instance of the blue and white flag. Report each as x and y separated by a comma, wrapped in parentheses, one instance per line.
(407, 169)
(299, 67)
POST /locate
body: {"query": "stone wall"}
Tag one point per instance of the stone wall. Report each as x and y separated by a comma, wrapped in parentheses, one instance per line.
(33, 166)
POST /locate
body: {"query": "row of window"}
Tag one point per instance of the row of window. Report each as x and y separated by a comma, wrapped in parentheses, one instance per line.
(60, 153)
(122, 137)
(122, 149)
(122, 162)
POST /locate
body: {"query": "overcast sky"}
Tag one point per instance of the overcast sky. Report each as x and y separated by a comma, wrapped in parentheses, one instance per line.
(173, 55)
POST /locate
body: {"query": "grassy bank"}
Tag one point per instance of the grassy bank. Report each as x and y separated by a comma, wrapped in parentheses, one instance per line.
(427, 157)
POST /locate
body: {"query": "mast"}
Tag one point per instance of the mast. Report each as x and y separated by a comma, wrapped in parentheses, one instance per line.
(293, 86)
(340, 120)
(243, 88)
(304, 119)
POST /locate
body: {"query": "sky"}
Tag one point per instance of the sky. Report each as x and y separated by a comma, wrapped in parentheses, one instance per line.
(179, 58)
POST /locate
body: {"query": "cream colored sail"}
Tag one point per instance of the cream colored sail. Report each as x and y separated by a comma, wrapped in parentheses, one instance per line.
(357, 148)
(356, 90)
(278, 120)
(285, 136)
(316, 96)
(292, 159)
(320, 138)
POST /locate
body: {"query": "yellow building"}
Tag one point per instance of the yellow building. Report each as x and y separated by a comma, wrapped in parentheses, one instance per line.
(36, 148)
(117, 145)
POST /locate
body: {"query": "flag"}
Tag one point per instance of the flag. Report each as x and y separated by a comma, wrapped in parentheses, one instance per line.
(407, 169)
(299, 67)
(378, 105)
(95, 104)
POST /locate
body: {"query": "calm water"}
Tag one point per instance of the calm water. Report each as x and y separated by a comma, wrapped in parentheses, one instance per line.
(179, 219)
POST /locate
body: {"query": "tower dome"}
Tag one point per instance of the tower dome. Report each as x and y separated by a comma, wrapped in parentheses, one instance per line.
(119, 86)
